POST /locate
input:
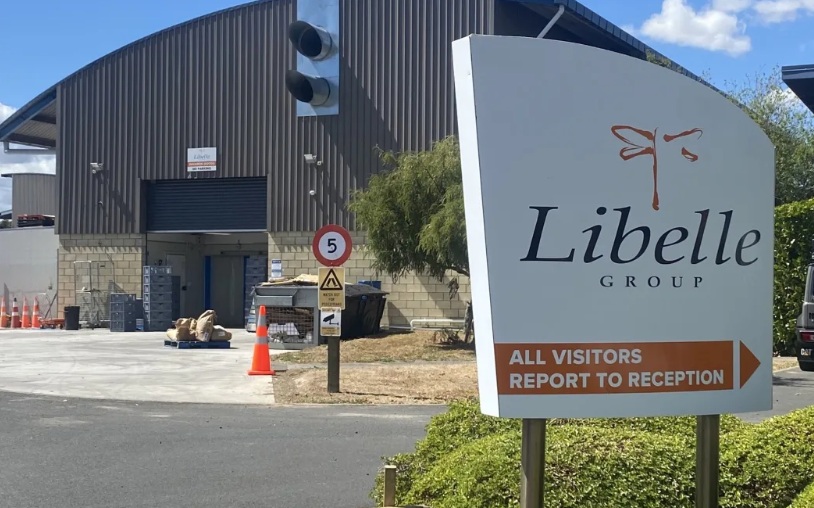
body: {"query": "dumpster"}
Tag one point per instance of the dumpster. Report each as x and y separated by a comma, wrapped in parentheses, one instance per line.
(292, 312)
(364, 308)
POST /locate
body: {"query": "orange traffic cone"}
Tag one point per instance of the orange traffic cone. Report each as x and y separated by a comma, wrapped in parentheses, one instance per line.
(261, 361)
(26, 318)
(5, 319)
(15, 314)
(261, 326)
(35, 318)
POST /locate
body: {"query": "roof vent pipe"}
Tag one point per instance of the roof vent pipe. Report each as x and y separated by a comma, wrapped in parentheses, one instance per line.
(552, 22)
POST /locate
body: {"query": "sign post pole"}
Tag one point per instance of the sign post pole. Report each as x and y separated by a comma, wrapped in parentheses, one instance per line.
(333, 364)
(707, 435)
(332, 246)
(532, 459)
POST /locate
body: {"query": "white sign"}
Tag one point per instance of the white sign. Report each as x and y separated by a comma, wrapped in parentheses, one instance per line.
(330, 323)
(201, 159)
(620, 232)
(276, 268)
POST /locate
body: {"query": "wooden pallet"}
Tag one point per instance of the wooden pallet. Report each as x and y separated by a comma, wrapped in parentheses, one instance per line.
(196, 344)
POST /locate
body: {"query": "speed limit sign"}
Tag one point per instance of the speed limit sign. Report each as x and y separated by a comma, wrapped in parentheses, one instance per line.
(332, 245)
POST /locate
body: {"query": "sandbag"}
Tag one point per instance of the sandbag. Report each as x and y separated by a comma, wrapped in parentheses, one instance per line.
(205, 326)
(183, 329)
(220, 334)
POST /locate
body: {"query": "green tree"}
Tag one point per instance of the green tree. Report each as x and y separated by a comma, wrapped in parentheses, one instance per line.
(789, 125)
(413, 214)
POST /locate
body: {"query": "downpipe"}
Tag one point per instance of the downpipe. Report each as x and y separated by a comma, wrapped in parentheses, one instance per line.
(552, 22)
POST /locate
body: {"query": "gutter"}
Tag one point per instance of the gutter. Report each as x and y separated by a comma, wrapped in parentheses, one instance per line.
(27, 151)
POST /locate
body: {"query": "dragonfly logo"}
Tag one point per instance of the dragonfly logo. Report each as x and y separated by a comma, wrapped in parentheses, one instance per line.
(646, 144)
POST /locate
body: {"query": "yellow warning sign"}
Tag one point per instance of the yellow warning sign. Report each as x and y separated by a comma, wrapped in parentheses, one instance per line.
(331, 287)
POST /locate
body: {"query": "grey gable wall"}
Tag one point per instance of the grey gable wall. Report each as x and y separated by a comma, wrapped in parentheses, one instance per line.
(218, 81)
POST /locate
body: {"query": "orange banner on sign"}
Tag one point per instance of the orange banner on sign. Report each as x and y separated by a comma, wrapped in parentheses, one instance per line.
(597, 368)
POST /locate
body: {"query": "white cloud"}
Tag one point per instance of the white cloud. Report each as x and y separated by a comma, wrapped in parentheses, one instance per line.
(779, 11)
(14, 162)
(730, 5)
(715, 27)
(718, 25)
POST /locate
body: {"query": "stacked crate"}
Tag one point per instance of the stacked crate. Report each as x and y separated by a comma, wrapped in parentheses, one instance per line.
(254, 274)
(161, 295)
(123, 312)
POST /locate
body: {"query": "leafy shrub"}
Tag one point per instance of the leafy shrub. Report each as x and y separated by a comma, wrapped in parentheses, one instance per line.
(460, 424)
(683, 426)
(804, 500)
(768, 464)
(468, 459)
(794, 232)
(585, 467)
(463, 423)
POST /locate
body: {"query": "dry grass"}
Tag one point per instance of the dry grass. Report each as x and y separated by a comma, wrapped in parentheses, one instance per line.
(386, 384)
(784, 362)
(396, 347)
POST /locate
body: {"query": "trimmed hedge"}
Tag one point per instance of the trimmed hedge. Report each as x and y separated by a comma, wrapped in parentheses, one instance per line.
(768, 464)
(463, 423)
(804, 500)
(469, 459)
(794, 232)
(585, 467)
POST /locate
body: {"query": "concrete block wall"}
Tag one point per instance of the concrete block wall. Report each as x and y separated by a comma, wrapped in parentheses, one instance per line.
(412, 297)
(120, 259)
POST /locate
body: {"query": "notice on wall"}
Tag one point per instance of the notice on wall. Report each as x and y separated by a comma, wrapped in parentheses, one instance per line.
(620, 234)
(202, 159)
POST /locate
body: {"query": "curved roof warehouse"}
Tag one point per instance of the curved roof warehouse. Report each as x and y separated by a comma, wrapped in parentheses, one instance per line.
(217, 138)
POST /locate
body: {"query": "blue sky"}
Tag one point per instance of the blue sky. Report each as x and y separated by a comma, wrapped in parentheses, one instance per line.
(43, 41)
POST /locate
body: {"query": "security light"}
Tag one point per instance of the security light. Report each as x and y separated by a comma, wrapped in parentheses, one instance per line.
(311, 159)
(95, 167)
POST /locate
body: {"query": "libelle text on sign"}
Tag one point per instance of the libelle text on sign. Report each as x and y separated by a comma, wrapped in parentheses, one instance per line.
(620, 232)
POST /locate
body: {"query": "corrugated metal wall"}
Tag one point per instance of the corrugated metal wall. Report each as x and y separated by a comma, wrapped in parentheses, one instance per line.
(218, 81)
(33, 194)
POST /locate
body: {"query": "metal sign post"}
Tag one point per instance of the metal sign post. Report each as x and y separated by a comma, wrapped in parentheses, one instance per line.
(707, 452)
(532, 461)
(332, 245)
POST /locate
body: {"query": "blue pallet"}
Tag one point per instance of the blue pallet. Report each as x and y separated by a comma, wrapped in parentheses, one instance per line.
(195, 344)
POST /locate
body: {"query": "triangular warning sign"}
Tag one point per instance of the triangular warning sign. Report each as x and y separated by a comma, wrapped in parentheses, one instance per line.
(331, 282)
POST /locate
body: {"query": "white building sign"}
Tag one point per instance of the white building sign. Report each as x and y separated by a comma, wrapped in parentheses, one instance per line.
(620, 233)
(202, 159)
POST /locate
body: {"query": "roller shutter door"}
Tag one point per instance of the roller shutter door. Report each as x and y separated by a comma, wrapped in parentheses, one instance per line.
(210, 204)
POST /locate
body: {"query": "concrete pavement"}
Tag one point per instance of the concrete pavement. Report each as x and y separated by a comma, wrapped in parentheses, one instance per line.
(99, 364)
(793, 389)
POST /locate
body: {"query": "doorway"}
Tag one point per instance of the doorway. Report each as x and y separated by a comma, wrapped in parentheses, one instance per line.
(226, 290)
(178, 263)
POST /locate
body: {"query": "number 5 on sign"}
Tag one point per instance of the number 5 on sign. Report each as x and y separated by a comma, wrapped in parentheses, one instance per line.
(332, 245)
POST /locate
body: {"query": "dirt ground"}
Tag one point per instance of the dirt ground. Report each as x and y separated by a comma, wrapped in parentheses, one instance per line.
(379, 384)
(783, 363)
(392, 347)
